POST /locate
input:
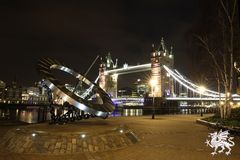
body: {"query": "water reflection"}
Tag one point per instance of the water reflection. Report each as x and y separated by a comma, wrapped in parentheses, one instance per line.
(35, 114)
(29, 114)
(127, 112)
(132, 112)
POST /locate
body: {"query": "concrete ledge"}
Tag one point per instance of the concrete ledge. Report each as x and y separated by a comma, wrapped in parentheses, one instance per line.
(235, 130)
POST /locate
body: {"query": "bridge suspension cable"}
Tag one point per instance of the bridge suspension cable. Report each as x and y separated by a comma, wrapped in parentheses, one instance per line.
(180, 79)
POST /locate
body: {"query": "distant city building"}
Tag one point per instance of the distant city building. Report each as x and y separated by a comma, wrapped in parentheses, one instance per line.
(12, 93)
(35, 95)
(2, 85)
(142, 88)
(2, 89)
(15, 94)
(127, 92)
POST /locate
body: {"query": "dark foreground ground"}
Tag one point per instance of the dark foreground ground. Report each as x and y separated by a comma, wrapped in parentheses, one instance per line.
(168, 137)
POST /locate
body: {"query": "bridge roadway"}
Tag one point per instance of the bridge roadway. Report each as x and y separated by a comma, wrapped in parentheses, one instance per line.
(176, 99)
(130, 69)
(199, 99)
(140, 101)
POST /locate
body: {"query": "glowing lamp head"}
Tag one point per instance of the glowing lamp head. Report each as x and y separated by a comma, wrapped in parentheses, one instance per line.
(235, 64)
(201, 89)
(83, 135)
(228, 94)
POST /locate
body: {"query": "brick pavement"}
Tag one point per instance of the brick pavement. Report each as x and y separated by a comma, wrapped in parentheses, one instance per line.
(166, 137)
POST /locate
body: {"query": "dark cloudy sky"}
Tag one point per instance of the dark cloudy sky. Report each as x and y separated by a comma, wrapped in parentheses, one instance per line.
(76, 31)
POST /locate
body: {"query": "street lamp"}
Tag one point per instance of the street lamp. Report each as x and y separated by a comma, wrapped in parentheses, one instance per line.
(228, 94)
(201, 90)
(153, 83)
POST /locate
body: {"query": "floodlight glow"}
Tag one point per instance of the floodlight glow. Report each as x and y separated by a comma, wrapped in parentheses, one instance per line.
(83, 135)
(228, 94)
(153, 82)
(201, 89)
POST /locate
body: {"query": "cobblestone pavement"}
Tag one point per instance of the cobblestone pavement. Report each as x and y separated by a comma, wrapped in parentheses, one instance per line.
(117, 138)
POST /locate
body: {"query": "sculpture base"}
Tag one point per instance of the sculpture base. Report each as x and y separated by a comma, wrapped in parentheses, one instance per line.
(84, 136)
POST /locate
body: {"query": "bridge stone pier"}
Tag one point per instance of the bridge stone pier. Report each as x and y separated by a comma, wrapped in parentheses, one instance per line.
(108, 72)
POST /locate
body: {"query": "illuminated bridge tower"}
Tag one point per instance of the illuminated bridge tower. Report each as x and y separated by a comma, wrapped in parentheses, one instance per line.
(164, 83)
(102, 76)
(108, 82)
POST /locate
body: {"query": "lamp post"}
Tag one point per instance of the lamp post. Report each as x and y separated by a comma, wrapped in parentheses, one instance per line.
(201, 90)
(153, 83)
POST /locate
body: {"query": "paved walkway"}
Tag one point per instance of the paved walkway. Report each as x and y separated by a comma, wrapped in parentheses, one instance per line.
(167, 137)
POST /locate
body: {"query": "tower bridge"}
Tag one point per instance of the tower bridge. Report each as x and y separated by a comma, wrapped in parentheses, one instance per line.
(168, 86)
(169, 83)
(108, 72)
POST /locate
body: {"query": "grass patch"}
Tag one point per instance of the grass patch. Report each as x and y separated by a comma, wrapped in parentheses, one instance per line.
(233, 121)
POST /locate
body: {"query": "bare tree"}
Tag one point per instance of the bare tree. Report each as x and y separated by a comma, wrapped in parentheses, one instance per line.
(222, 54)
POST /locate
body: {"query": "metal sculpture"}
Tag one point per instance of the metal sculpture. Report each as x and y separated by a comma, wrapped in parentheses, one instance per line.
(73, 100)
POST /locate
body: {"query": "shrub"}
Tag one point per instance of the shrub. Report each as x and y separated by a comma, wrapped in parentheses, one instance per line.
(235, 113)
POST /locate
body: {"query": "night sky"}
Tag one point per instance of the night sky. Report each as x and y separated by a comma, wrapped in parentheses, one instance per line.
(76, 31)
